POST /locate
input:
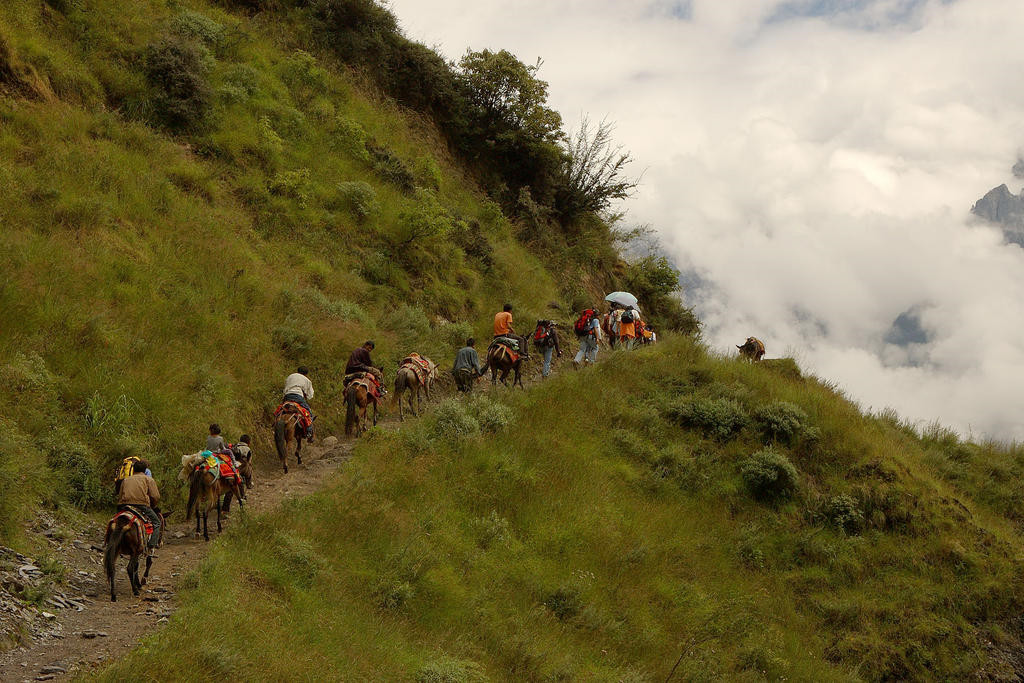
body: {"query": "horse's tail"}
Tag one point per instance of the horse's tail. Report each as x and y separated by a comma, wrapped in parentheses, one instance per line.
(350, 410)
(195, 487)
(281, 438)
(401, 382)
(115, 536)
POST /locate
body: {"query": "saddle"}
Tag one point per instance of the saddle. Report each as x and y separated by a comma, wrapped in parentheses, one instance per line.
(221, 464)
(418, 364)
(498, 350)
(293, 408)
(511, 342)
(366, 380)
(137, 519)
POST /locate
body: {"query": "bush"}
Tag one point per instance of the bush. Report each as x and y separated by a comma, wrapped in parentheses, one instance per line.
(410, 323)
(84, 486)
(295, 345)
(293, 184)
(564, 603)
(391, 168)
(300, 71)
(453, 422)
(844, 513)
(358, 198)
(492, 415)
(455, 334)
(350, 137)
(781, 420)
(178, 72)
(451, 670)
(199, 28)
(720, 418)
(769, 475)
(490, 530)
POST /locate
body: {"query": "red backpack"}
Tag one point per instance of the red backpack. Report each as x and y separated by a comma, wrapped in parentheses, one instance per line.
(543, 332)
(582, 326)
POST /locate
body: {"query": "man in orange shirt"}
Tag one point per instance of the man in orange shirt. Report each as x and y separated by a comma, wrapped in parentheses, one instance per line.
(503, 328)
(627, 328)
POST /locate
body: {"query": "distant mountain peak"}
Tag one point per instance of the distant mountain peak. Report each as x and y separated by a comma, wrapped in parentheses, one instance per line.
(1005, 209)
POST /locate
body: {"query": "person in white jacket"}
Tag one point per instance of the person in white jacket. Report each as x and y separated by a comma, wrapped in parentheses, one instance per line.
(299, 389)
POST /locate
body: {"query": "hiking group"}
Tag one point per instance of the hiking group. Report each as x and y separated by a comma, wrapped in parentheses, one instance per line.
(222, 471)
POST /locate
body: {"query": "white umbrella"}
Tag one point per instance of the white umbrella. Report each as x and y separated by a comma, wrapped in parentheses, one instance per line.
(623, 299)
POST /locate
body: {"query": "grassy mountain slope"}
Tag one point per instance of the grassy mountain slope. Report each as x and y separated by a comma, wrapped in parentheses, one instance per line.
(155, 282)
(607, 522)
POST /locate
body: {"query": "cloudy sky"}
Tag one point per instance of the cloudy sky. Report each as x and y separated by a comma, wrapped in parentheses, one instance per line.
(811, 165)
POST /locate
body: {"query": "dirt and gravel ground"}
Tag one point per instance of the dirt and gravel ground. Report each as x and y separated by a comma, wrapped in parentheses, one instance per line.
(81, 628)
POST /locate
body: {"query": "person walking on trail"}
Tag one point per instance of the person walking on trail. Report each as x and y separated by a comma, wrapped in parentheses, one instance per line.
(467, 366)
(546, 339)
(627, 328)
(589, 331)
(215, 442)
(614, 316)
(139, 493)
(298, 389)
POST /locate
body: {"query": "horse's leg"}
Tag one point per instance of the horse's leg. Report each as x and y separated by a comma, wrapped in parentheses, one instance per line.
(110, 577)
(298, 448)
(149, 563)
(218, 515)
(227, 501)
(206, 520)
(375, 404)
(198, 503)
(133, 574)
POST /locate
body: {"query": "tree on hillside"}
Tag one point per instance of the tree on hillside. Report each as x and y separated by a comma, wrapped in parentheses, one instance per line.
(593, 173)
(509, 123)
(655, 281)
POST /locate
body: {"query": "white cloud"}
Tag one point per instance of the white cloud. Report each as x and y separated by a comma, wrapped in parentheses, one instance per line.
(816, 174)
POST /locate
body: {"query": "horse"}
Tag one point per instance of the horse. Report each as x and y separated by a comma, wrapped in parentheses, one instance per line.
(499, 357)
(204, 491)
(752, 349)
(125, 537)
(287, 428)
(357, 398)
(409, 379)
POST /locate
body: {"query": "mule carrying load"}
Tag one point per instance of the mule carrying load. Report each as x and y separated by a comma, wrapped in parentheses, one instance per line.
(415, 373)
(210, 475)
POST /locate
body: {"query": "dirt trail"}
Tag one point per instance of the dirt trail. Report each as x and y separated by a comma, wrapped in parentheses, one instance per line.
(77, 641)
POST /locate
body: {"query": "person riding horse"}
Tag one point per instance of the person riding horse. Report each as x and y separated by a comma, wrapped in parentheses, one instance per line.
(361, 365)
(139, 494)
(298, 389)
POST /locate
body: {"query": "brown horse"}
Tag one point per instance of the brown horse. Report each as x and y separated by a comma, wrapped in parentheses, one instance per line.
(287, 428)
(245, 470)
(752, 349)
(357, 398)
(409, 378)
(204, 492)
(499, 357)
(126, 537)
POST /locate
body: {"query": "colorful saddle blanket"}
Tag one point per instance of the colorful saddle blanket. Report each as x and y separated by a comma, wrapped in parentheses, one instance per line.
(367, 380)
(418, 364)
(137, 519)
(290, 407)
(221, 464)
(511, 342)
(499, 350)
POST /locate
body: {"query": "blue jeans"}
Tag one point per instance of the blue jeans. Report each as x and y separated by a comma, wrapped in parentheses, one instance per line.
(548, 350)
(588, 350)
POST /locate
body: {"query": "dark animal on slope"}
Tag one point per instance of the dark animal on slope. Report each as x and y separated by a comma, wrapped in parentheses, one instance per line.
(503, 359)
(126, 536)
(288, 428)
(205, 489)
(357, 397)
(752, 349)
(414, 379)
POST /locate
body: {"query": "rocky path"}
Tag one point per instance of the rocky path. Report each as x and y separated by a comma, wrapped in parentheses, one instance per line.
(80, 629)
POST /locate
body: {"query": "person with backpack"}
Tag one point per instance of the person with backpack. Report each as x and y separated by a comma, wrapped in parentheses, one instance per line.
(627, 328)
(546, 339)
(588, 328)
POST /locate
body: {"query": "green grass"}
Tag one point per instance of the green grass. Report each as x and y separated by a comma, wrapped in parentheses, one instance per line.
(587, 535)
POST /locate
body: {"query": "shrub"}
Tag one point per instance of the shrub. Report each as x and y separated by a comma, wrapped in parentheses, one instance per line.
(455, 334)
(350, 137)
(300, 71)
(199, 28)
(83, 483)
(177, 71)
(410, 323)
(844, 513)
(391, 168)
(564, 603)
(293, 184)
(359, 198)
(295, 345)
(781, 420)
(492, 415)
(769, 475)
(453, 422)
(451, 670)
(720, 418)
